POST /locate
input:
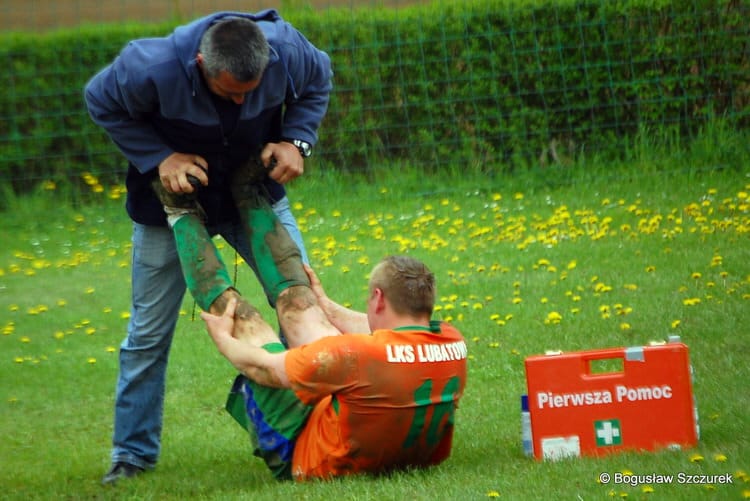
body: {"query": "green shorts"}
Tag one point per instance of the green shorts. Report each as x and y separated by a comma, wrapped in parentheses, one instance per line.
(273, 417)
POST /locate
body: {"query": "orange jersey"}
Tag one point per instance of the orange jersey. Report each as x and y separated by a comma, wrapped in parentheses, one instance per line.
(383, 401)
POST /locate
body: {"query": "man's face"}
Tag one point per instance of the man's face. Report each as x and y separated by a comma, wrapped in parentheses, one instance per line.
(226, 86)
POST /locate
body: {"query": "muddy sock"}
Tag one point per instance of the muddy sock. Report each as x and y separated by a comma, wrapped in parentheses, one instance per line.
(177, 205)
(204, 270)
(277, 258)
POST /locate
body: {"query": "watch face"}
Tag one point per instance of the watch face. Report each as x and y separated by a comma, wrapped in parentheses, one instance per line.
(304, 148)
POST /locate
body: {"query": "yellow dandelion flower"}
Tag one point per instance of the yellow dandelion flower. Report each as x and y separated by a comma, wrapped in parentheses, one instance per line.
(111, 349)
(18, 360)
(675, 323)
(91, 360)
(90, 330)
(90, 290)
(493, 494)
(647, 489)
(517, 300)
(720, 458)
(478, 306)
(125, 315)
(650, 268)
(553, 318)
(625, 326)
(25, 339)
(696, 458)
(518, 196)
(695, 275)
(746, 494)
(59, 335)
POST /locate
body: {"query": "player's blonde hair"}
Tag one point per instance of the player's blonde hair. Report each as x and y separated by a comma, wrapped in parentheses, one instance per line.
(407, 283)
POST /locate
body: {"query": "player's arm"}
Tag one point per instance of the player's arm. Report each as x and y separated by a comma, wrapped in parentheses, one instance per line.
(344, 319)
(256, 363)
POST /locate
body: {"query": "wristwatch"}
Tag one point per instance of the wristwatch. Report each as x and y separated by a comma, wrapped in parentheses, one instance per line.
(305, 148)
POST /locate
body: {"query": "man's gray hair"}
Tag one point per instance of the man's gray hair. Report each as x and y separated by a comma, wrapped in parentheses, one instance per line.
(236, 45)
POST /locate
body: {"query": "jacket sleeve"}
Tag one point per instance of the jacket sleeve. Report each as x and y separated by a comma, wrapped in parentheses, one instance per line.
(310, 74)
(119, 99)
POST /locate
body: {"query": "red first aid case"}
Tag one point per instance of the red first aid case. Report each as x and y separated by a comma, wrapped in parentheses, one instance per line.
(645, 403)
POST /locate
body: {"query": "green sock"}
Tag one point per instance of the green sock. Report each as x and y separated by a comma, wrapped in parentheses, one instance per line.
(277, 258)
(204, 270)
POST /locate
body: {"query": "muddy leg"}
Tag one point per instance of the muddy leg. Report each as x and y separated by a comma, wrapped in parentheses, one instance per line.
(277, 258)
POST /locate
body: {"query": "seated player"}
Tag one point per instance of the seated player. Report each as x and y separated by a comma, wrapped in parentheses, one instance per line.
(380, 398)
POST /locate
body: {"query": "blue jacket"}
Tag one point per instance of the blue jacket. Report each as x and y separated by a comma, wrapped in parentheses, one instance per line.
(153, 101)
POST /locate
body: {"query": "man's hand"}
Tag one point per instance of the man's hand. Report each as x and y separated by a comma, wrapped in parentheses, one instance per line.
(174, 171)
(316, 286)
(289, 163)
(220, 327)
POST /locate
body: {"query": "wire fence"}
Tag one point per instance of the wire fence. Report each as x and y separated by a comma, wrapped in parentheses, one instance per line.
(537, 84)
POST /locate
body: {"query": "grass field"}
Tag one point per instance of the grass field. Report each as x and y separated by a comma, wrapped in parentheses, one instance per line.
(556, 259)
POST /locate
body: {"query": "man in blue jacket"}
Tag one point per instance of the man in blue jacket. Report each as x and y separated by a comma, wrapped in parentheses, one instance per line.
(196, 105)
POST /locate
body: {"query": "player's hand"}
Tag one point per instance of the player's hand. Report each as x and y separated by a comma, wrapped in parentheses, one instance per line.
(220, 327)
(289, 163)
(315, 285)
(175, 169)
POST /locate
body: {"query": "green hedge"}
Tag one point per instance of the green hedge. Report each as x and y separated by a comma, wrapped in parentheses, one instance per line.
(482, 83)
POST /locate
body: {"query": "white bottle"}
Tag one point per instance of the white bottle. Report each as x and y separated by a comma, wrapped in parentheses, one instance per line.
(526, 438)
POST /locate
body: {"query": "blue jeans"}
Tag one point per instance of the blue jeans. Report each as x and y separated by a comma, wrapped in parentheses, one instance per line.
(158, 291)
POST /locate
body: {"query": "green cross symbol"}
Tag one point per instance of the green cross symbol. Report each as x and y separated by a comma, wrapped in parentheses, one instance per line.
(608, 432)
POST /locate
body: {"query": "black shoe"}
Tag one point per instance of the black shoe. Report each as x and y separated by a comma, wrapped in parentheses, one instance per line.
(121, 470)
(247, 183)
(178, 203)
